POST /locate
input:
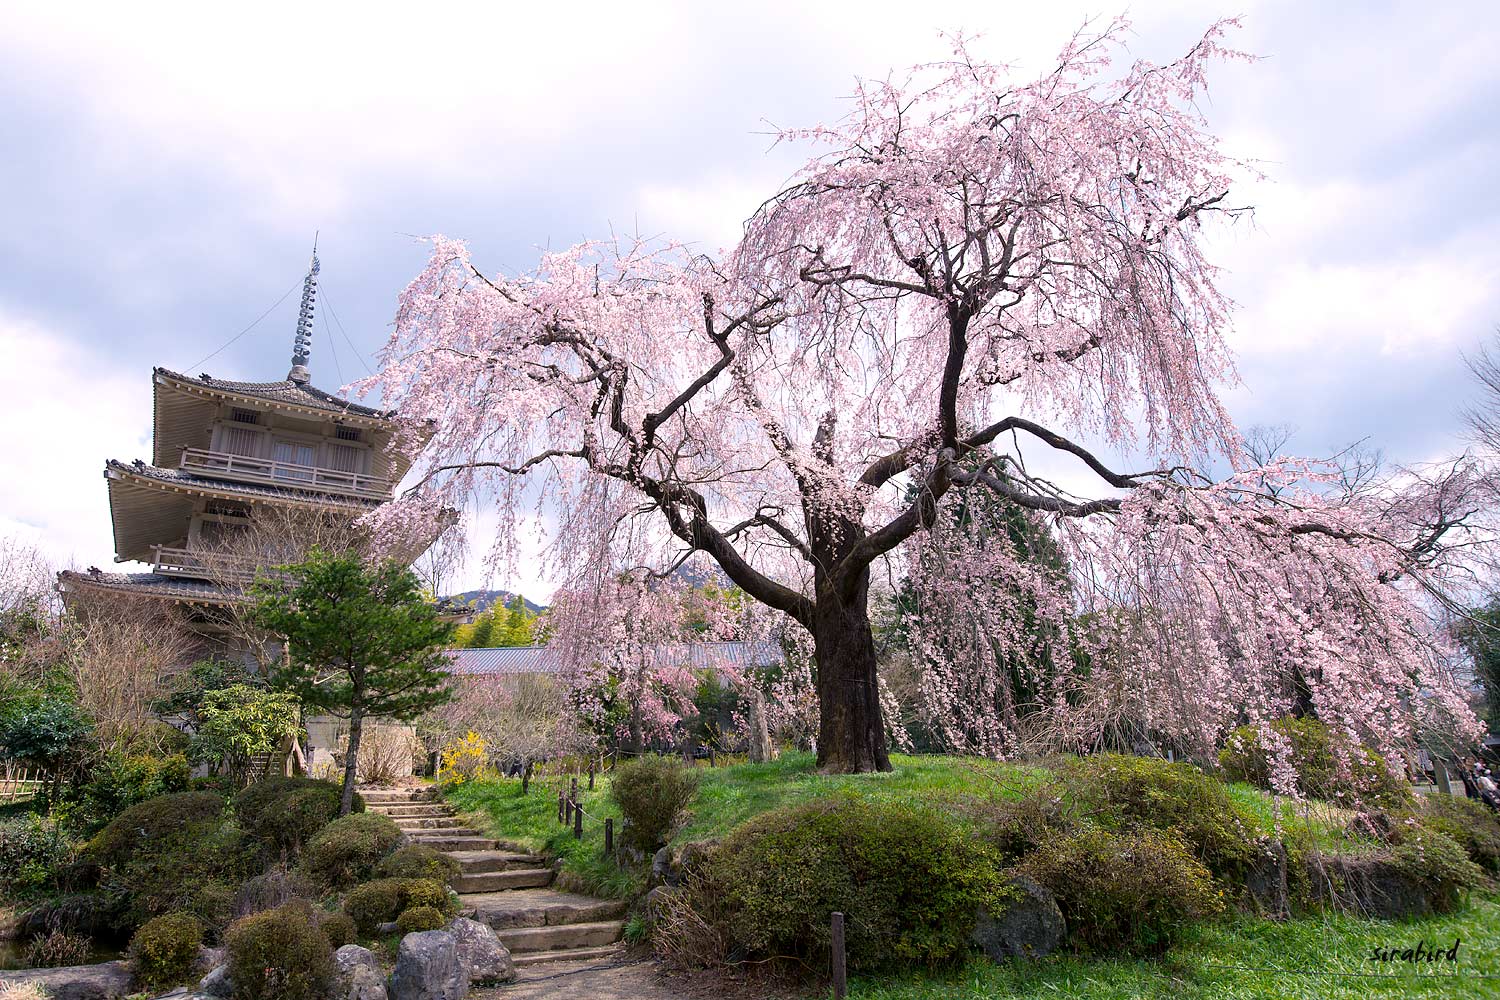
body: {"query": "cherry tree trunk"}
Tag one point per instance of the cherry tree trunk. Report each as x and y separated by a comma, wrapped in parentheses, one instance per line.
(851, 732)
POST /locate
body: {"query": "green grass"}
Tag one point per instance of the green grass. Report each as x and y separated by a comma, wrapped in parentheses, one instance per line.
(1242, 957)
(728, 796)
(1321, 958)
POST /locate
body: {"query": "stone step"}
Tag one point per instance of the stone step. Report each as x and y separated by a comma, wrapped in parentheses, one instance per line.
(444, 840)
(398, 795)
(553, 938)
(539, 908)
(478, 862)
(411, 809)
(527, 958)
(518, 878)
(447, 833)
(429, 822)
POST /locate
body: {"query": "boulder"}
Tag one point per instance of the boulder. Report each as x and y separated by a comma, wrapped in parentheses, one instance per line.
(1265, 881)
(210, 959)
(663, 872)
(362, 983)
(352, 956)
(104, 981)
(486, 960)
(428, 968)
(1030, 924)
(216, 983)
(1371, 887)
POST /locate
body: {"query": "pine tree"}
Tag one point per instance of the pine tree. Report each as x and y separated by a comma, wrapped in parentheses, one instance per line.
(362, 642)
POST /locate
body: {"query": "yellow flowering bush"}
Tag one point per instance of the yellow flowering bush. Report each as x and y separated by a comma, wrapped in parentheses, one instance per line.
(464, 760)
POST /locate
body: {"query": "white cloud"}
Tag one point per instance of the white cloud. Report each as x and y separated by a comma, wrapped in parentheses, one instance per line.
(65, 415)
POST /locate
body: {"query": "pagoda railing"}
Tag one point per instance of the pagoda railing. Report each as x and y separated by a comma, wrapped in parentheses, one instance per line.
(266, 471)
(217, 566)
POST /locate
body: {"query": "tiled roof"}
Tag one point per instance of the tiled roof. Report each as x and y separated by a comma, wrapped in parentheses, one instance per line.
(285, 391)
(150, 585)
(512, 660)
(178, 477)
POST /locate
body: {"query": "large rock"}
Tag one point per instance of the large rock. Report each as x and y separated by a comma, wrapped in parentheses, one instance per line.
(428, 968)
(663, 871)
(216, 983)
(352, 956)
(481, 953)
(1266, 881)
(1029, 926)
(359, 975)
(104, 981)
(1371, 887)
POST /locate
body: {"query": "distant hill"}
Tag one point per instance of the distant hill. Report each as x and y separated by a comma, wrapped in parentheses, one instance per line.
(483, 600)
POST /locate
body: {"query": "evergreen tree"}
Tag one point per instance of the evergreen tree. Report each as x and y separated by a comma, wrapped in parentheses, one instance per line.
(1480, 636)
(362, 642)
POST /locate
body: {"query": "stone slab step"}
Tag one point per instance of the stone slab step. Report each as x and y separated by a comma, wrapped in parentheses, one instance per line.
(566, 955)
(410, 809)
(553, 938)
(540, 908)
(398, 795)
(429, 822)
(518, 878)
(441, 840)
(477, 862)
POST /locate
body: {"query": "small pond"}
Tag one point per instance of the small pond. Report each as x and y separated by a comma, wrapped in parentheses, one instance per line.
(13, 954)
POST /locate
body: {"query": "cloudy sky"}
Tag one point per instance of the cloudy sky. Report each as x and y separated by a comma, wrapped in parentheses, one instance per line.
(165, 168)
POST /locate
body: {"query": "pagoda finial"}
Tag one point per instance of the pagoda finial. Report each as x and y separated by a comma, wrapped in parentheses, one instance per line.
(302, 344)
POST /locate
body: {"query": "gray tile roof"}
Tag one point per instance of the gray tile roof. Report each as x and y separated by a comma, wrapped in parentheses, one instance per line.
(285, 391)
(513, 660)
(150, 585)
(178, 477)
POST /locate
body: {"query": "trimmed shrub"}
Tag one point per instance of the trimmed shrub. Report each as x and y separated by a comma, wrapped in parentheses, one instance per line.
(383, 900)
(420, 918)
(174, 852)
(146, 823)
(1130, 892)
(164, 950)
(653, 794)
(285, 813)
(347, 850)
(1126, 793)
(1319, 772)
(1469, 824)
(281, 954)
(908, 879)
(338, 928)
(419, 861)
(374, 903)
(1440, 865)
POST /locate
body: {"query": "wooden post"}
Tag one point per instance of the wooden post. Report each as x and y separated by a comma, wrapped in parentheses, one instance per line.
(561, 800)
(711, 756)
(575, 790)
(577, 822)
(609, 835)
(836, 943)
(591, 774)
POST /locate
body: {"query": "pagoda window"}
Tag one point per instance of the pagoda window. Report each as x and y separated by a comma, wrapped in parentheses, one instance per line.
(294, 453)
(244, 441)
(346, 458)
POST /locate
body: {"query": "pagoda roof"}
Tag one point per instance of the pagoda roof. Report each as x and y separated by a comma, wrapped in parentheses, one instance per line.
(151, 585)
(179, 480)
(286, 392)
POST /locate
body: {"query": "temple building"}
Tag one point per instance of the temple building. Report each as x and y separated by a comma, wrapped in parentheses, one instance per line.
(237, 470)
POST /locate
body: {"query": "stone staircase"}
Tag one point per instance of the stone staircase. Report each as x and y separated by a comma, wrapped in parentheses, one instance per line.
(504, 886)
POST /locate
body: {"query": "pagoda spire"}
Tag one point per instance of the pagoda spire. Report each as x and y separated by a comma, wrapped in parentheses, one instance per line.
(302, 343)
